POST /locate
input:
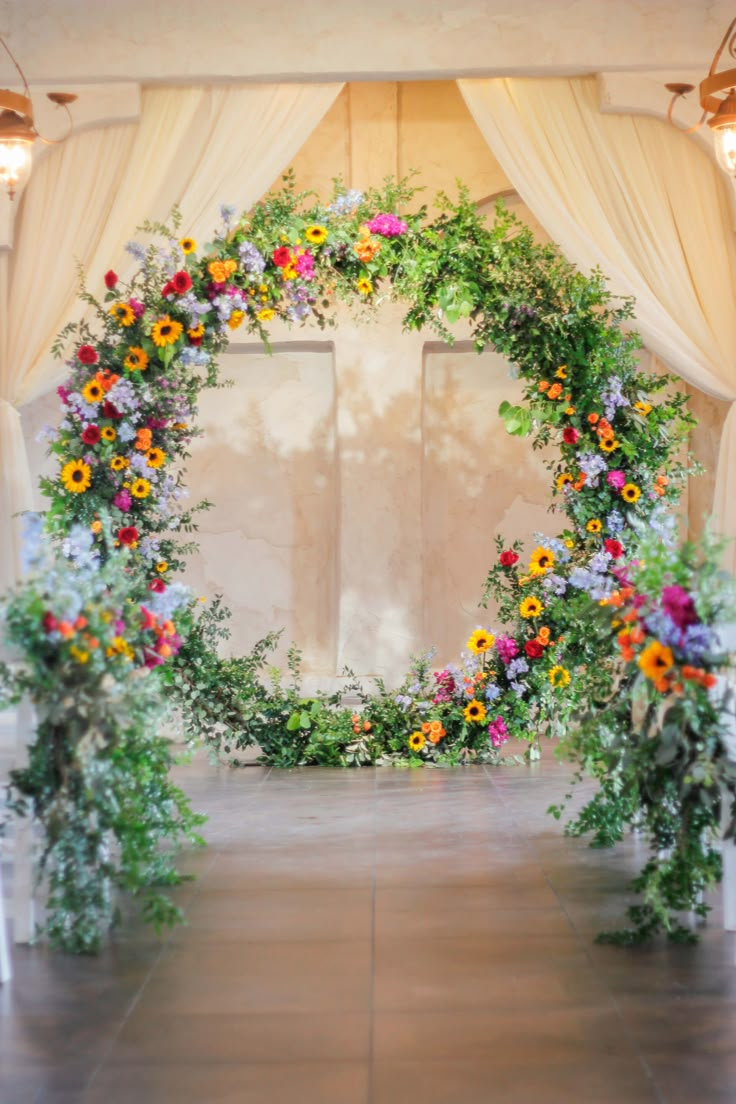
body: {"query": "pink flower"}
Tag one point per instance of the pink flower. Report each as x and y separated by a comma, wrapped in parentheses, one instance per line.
(387, 226)
(137, 307)
(498, 732)
(570, 435)
(616, 479)
(305, 264)
(679, 605)
(507, 648)
(122, 500)
(63, 394)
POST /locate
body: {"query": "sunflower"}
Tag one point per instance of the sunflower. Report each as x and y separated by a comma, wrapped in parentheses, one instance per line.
(364, 286)
(155, 457)
(530, 607)
(481, 641)
(416, 741)
(474, 711)
(266, 314)
(76, 476)
(594, 525)
(561, 372)
(92, 392)
(608, 444)
(140, 488)
(630, 492)
(542, 560)
(289, 272)
(166, 331)
(136, 360)
(235, 319)
(563, 479)
(644, 408)
(187, 245)
(570, 410)
(559, 676)
(119, 463)
(196, 332)
(162, 567)
(122, 313)
(108, 433)
(316, 234)
(656, 660)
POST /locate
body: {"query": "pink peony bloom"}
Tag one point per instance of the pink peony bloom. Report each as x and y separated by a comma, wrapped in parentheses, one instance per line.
(387, 226)
(616, 479)
(507, 648)
(498, 732)
(122, 500)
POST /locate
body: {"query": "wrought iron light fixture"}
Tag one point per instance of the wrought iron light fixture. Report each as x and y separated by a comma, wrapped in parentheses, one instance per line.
(18, 130)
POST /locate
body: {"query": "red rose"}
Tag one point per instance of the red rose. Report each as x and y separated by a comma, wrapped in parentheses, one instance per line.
(158, 586)
(281, 256)
(128, 534)
(508, 558)
(91, 435)
(87, 354)
(111, 279)
(196, 341)
(614, 548)
(570, 435)
(49, 622)
(109, 410)
(181, 282)
(167, 289)
(533, 649)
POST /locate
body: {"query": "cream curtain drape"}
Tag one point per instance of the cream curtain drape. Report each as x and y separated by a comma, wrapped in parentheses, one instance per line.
(640, 200)
(193, 146)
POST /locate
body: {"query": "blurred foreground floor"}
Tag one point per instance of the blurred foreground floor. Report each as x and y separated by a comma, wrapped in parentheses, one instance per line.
(379, 937)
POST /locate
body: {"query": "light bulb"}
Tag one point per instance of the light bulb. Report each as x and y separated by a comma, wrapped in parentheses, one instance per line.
(15, 163)
(725, 147)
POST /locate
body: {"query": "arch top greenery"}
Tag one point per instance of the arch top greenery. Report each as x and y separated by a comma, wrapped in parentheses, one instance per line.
(137, 366)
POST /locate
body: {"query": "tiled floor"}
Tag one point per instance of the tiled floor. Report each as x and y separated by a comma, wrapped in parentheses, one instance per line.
(380, 937)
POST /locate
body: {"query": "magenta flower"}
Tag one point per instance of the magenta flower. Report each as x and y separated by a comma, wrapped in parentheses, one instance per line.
(137, 307)
(507, 648)
(305, 265)
(122, 500)
(498, 732)
(616, 479)
(387, 226)
(679, 606)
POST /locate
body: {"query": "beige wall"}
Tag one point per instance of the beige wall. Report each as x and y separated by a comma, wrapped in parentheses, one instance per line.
(359, 482)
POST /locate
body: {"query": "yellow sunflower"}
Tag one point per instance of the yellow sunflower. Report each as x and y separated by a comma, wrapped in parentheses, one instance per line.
(481, 641)
(92, 392)
(630, 492)
(166, 331)
(196, 332)
(561, 372)
(609, 444)
(644, 408)
(364, 286)
(266, 314)
(136, 360)
(140, 488)
(122, 313)
(79, 654)
(530, 607)
(108, 433)
(559, 676)
(187, 245)
(235, 319)
(76, 476)
(155, 457)
(416, 741)
(289, 272)
(656, 660)
(316, 234)
(162, 567)
(563, 479)
(542, 560)
(594, 525)
(474, 711)
(119, 463)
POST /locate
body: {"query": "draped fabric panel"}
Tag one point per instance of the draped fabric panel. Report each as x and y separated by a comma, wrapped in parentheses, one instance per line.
(640, 200)
(193, 147)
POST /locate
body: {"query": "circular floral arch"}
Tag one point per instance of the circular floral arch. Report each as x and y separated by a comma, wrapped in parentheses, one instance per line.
(137, 365)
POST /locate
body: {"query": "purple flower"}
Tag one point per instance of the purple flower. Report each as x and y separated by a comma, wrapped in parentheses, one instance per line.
(616, 479)
(137, 307)
(679, 605)
(507, 648)
(388, 226)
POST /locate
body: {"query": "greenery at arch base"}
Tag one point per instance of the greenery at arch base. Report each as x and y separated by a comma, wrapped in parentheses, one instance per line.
(608, 647)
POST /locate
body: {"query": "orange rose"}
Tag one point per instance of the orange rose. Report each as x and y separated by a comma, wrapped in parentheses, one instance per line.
(221, 270)
(593, 418)
(365, 250)
(143, 440)
(555, 391)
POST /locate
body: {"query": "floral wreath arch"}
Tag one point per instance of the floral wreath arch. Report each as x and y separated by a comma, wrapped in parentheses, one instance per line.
(136, 368)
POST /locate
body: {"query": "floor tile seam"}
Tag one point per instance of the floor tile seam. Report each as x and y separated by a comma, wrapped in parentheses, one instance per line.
(112, 1040)
(628, 1034)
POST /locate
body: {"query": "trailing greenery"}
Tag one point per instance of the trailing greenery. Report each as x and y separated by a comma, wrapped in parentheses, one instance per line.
(657, 738)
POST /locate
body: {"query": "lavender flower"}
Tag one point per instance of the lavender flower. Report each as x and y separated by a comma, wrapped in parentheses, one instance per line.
(554, 584)
(345, 204)
(251, 258)
(614, 522)
(592, 465)
(517, 667)
(613, 398)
